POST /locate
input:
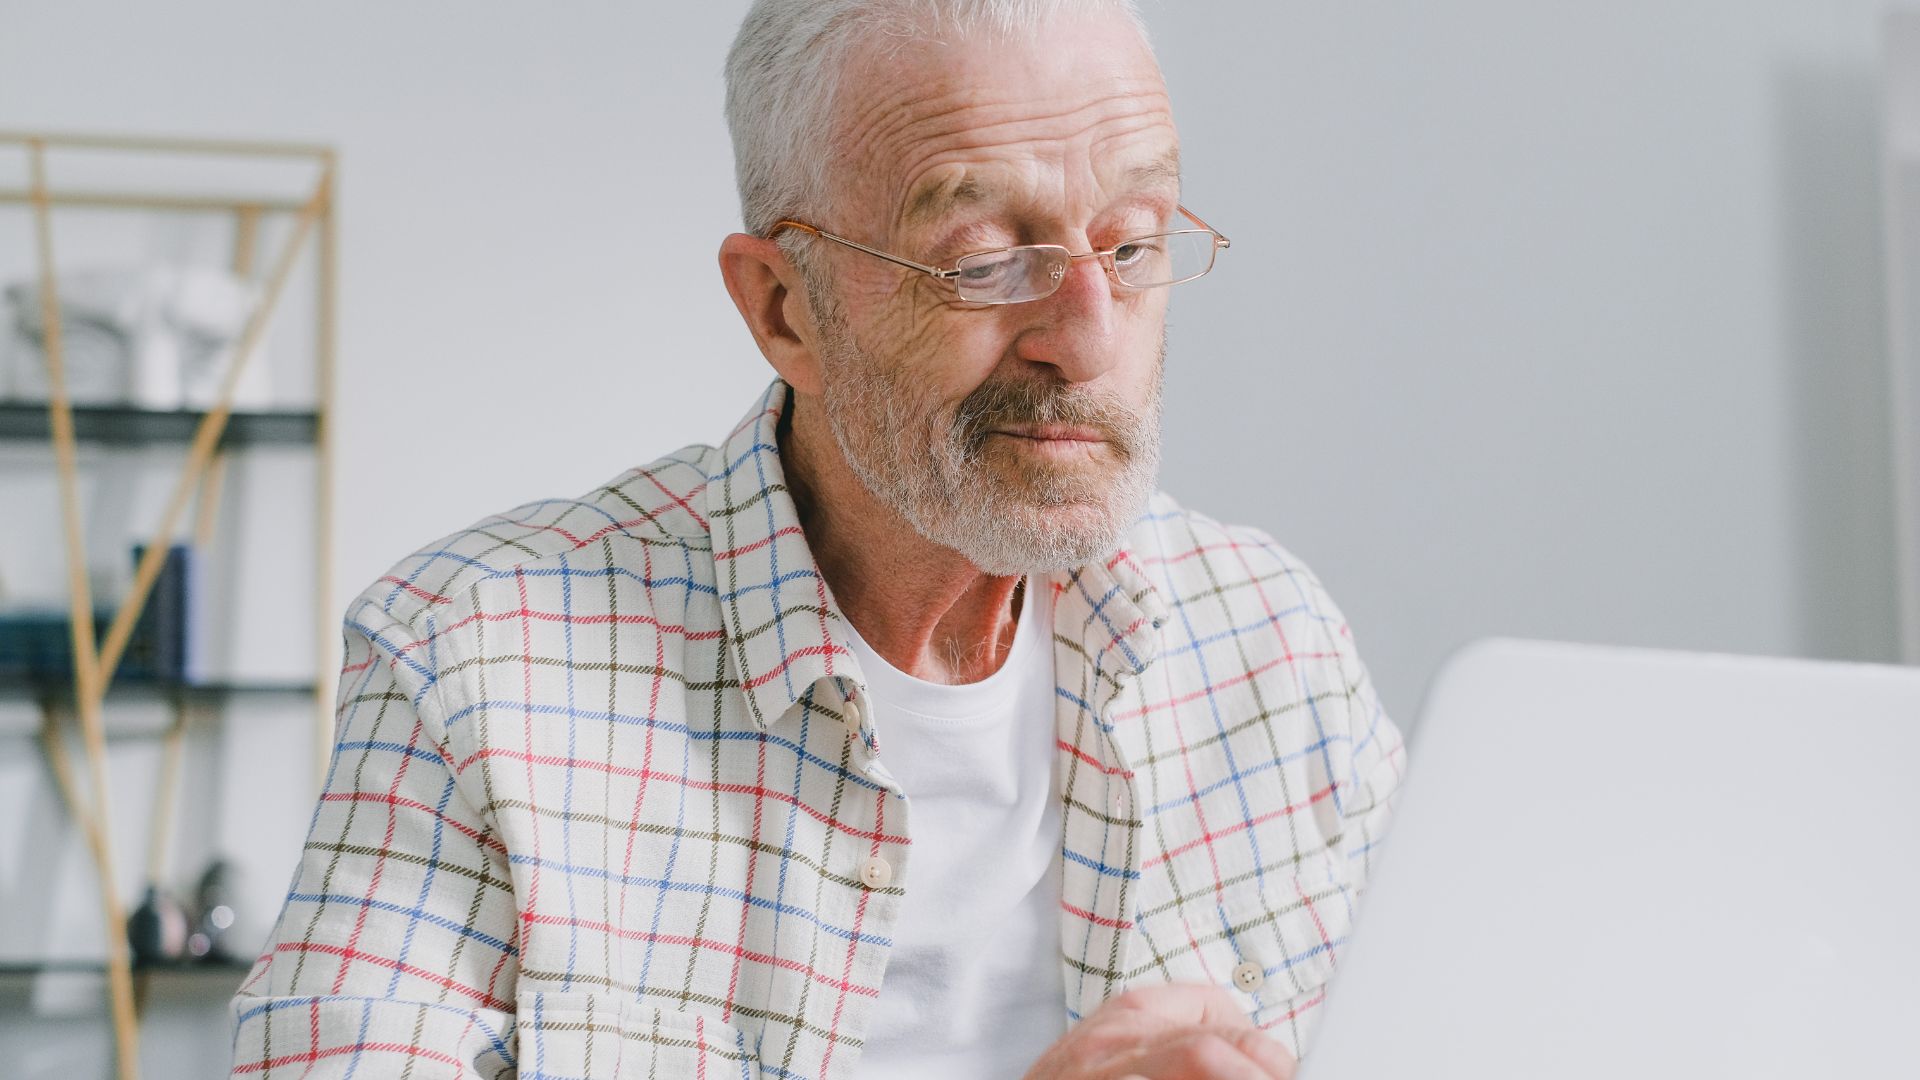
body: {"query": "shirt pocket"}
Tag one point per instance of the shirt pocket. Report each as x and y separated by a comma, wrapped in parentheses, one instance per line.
(1271, 941)
(574, 1034)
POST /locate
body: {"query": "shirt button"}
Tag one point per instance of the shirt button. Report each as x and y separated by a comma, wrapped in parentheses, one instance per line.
(876, 873)
(1248, 976)
(1119, 805)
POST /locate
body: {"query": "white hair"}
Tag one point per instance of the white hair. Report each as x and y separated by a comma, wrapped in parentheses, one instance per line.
(784, 71)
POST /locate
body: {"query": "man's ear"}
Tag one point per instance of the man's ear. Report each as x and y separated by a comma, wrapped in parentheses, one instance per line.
(772, 298)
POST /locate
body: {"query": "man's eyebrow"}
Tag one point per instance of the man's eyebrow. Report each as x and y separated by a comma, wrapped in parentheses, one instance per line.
(931, 203)
(1158, 172)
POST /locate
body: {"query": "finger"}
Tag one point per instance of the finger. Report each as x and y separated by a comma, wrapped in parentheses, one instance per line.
(1131, 1022)
(1179, 1004)
(1197, 1055)
(1266, 1051)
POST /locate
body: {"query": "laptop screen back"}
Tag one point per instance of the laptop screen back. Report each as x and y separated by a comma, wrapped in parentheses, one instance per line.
(1622, 862)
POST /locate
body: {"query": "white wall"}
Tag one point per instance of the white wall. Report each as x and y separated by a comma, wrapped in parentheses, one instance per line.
(1902, 184)
(1570, 322)
(1541, 318)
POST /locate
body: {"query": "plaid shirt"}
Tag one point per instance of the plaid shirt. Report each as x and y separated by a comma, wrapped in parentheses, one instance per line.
(606, 799)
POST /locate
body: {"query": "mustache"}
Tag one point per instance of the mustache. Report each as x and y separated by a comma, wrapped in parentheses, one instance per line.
(995, 405)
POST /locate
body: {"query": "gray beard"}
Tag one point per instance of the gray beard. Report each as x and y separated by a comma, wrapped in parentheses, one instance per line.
(928, 467)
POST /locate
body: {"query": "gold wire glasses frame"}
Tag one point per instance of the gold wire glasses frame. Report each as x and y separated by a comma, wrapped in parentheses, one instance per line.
(1015, 275)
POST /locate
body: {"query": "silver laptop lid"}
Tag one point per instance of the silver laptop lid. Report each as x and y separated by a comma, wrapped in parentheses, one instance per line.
(1623, 862)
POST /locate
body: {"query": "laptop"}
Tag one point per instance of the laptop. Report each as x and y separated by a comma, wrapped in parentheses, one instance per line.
(1616, 862)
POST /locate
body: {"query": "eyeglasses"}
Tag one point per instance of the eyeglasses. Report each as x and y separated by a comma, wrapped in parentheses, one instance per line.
(1014, 275)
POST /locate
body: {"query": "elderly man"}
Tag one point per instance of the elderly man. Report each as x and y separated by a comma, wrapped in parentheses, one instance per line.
(907, 732)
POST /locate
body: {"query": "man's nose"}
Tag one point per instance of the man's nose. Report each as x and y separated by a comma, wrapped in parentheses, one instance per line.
(1076, 327)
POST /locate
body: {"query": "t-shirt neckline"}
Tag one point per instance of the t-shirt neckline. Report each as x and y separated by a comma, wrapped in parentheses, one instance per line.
(955, 702)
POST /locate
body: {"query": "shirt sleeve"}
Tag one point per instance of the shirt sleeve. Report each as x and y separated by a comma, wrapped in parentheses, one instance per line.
(1364, 798)
(395, 953)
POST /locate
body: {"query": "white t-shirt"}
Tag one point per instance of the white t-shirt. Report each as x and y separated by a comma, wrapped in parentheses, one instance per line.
(973, 987)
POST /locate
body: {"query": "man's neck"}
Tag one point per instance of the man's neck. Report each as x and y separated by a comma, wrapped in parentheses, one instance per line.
(923, 607)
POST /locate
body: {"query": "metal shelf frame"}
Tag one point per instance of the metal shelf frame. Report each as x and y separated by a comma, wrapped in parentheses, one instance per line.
(154, 690)
(124, 425)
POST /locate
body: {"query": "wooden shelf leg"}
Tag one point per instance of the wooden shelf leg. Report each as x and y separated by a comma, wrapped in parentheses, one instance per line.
(160, 840)
(89, 688)
(326, 633)
(54, 744)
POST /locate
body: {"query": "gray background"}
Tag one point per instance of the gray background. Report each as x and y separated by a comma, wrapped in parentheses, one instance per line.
(1544, 319)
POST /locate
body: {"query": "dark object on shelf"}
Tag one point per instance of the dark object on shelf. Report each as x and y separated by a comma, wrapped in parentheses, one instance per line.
(129, 426)
(209, 939)
(157, 929)
(37, 646)
(161, 652)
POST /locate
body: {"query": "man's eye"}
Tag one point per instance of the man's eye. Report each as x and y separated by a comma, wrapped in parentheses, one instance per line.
(1135, 251)
(985, 268)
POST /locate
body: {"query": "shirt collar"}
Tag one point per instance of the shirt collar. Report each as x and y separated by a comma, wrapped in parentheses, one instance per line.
(784, 632)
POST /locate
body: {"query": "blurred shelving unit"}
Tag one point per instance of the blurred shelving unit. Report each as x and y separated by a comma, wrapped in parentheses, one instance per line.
(206, 436)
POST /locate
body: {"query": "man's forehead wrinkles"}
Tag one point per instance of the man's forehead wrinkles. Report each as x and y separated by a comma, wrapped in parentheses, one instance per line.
(976, 127)
(886, 116)
(936, 182)
(909, 115)
(899, 151)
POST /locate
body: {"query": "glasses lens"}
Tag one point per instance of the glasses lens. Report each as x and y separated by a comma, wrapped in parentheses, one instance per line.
(1166, 259)
(1013, 275)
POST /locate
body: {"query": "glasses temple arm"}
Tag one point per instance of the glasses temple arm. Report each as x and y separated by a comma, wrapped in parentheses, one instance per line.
(1219, 237)
(857, 246)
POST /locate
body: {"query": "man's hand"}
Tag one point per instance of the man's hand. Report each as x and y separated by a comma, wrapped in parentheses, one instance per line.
(1175, 1032)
